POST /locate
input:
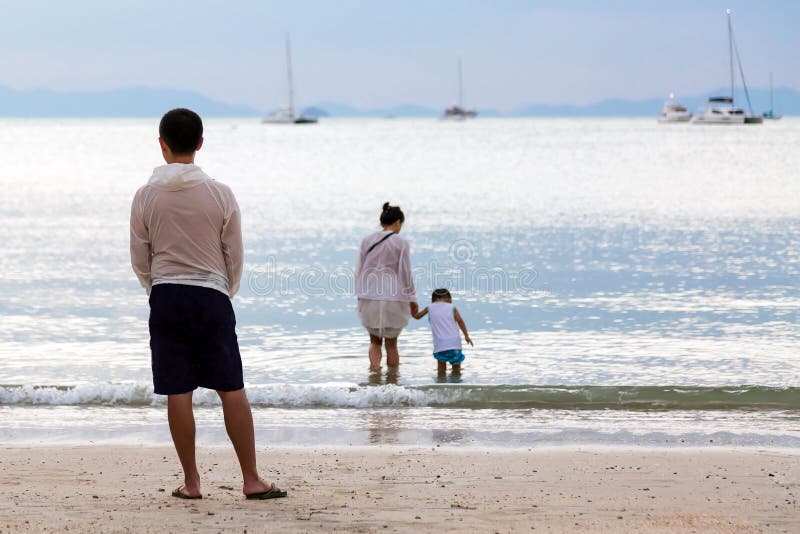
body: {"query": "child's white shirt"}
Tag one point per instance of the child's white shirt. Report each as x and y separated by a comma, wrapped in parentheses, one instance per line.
(446, 335)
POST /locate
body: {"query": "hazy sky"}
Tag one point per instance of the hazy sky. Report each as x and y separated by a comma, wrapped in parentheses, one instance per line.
(377, 53)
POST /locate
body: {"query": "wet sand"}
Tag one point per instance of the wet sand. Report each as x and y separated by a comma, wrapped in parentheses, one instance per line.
(401, 489)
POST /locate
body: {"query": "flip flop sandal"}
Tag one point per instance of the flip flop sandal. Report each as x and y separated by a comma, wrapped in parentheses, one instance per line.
(273, 493)
(181, 495)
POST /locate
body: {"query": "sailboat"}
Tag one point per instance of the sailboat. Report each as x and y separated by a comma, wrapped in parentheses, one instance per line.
(771, 113)
(722, 109)
(286, 115)
(457, 111)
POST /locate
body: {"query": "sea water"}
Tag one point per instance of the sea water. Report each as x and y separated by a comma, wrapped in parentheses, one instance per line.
(624, 282)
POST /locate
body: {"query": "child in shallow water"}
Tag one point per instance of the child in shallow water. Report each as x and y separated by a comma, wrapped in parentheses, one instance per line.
(445, 324)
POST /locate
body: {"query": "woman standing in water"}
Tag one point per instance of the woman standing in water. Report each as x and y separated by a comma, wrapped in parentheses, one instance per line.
(385, 287)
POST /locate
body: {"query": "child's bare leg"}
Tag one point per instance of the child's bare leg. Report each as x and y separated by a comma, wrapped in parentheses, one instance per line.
(392, 354)
(375, 354)
(456, 369)
(441, 368)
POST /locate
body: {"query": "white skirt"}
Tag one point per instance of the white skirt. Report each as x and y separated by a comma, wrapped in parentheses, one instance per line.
(384, 318)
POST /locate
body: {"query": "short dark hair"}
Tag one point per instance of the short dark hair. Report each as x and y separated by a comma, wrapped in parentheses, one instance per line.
(440, 294)
(391, 214)
(181, 129)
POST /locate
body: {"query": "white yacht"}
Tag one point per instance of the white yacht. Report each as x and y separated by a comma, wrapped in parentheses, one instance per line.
(721, 109)
(673, 111)
(279, 116)
(287, 115)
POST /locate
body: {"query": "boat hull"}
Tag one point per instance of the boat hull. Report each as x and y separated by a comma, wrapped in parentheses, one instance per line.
(459, 114)
(269, 120)
(286, 118)
(719, 118)
(675, 119)
(719, 121)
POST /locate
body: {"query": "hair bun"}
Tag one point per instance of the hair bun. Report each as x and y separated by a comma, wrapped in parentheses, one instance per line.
(391, 214)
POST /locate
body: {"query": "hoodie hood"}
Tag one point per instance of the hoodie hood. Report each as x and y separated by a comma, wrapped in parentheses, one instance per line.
(177, 176)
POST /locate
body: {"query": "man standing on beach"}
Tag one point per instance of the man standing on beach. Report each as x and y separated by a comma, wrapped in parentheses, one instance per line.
(186, 250)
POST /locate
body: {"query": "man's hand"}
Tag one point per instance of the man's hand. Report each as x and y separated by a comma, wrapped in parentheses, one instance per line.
(420, 314)
(414, 308)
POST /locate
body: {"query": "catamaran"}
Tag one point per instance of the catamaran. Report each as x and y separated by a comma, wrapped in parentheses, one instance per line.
(722, 109)
(286, 115)
(457, 111)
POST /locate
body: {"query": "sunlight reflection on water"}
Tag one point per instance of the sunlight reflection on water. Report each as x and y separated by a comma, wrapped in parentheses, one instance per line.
(619, 255)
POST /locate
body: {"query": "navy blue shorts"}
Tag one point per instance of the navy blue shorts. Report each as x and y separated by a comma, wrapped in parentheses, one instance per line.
(193, 340)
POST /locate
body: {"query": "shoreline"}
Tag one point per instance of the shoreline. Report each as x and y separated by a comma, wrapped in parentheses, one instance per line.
(395, 488)
(546, 449)
(72, 425)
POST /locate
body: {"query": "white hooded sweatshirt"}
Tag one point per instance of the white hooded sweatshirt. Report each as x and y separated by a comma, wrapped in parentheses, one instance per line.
(186, 229)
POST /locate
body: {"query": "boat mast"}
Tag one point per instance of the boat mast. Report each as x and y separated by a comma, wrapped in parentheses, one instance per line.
(741, 68)
(460, 85)
(289, 74)
(771, 107)
(730, 50)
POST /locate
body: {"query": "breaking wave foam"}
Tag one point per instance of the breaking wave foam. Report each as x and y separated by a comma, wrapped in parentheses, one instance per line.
(440, 396)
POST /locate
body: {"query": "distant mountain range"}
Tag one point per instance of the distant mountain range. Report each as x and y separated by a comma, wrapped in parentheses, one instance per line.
(148, 102)
(127, 102)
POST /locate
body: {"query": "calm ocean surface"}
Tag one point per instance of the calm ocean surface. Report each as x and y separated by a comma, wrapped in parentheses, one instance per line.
(624, 282)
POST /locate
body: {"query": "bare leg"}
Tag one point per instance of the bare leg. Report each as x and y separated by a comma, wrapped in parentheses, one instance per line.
(392, 354)
(375, 353)
(456, 369)
(239, 425)
(181, 426)
(441, 368)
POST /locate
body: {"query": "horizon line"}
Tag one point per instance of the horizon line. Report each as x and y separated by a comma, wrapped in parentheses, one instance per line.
(387, 107)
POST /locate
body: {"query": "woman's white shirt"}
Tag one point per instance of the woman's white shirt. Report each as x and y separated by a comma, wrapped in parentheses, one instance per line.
(385, 272)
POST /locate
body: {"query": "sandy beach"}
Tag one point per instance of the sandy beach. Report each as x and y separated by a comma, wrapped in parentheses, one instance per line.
(380, 489)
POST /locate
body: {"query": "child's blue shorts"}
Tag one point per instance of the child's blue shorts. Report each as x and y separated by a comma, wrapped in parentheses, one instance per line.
(453, 356)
